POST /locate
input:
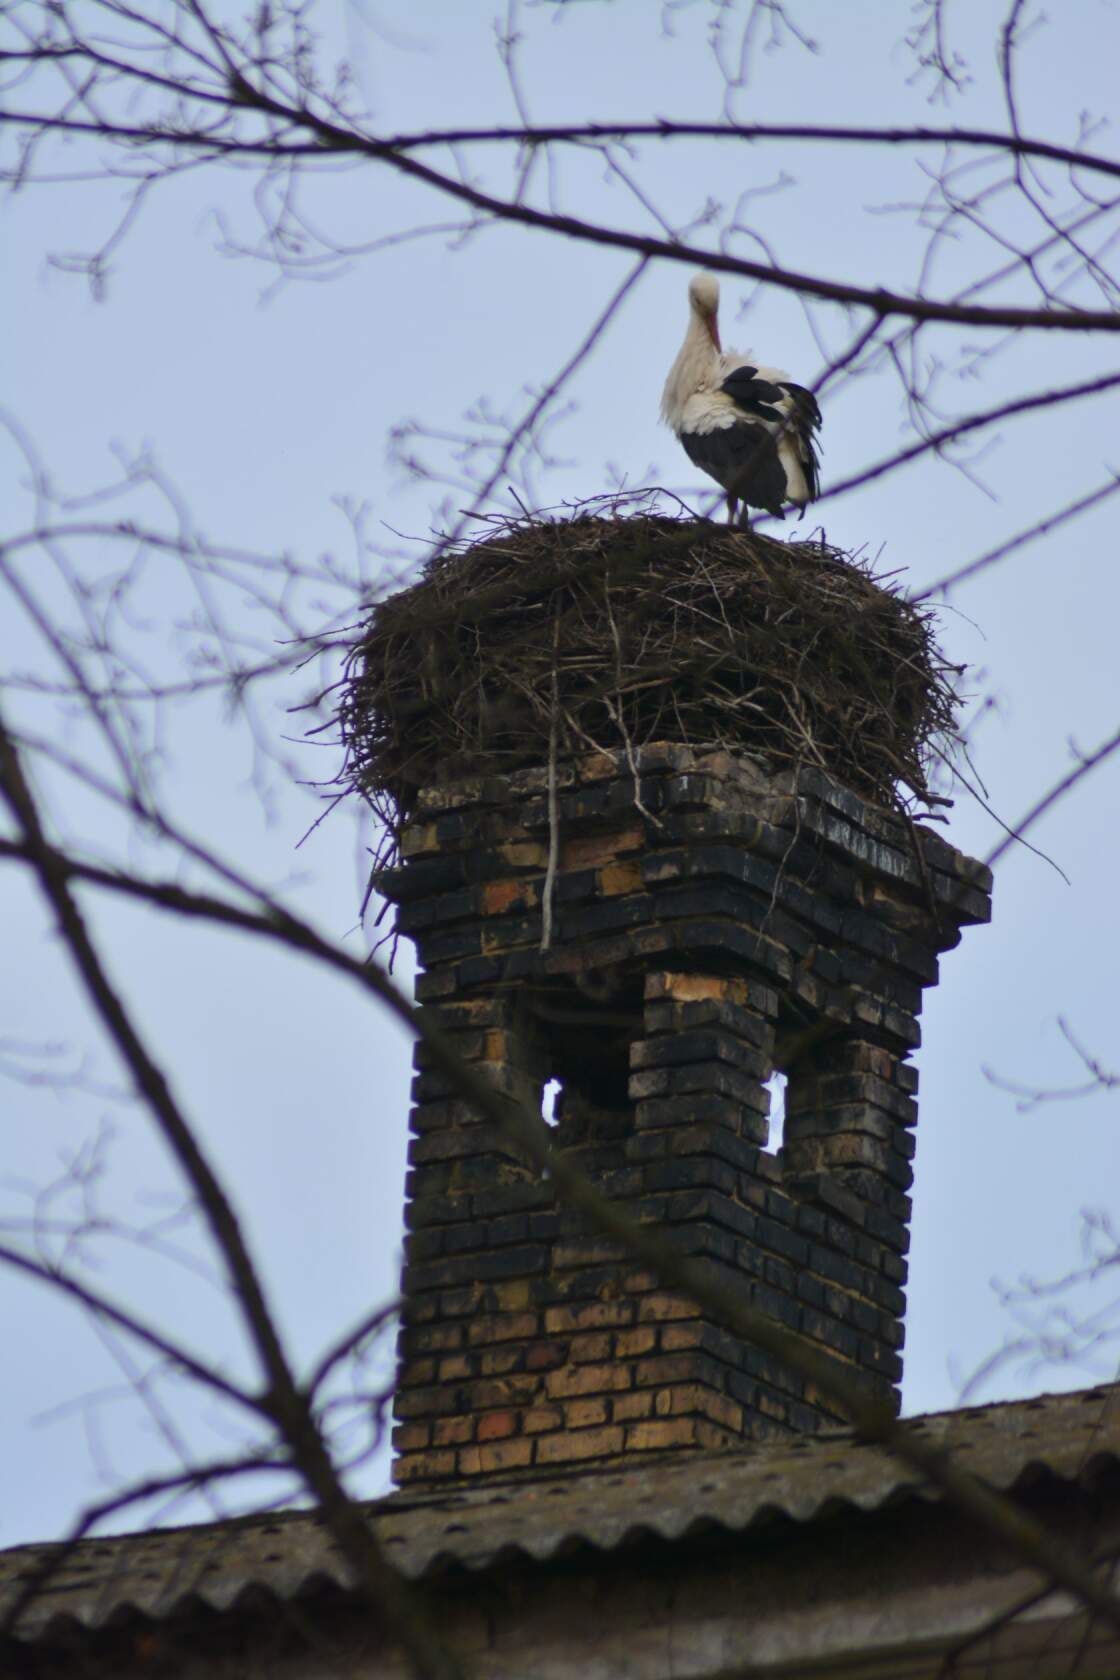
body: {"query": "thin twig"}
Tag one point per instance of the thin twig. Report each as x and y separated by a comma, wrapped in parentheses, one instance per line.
(874, 1419)
(549, 887)
(1041, 806)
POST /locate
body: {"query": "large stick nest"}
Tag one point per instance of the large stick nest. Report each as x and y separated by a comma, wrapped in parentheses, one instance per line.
(607, 632)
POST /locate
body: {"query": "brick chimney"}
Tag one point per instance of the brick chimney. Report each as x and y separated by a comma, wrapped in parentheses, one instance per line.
(712, 925)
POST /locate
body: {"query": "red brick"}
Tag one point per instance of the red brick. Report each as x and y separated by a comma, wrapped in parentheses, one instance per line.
(503, 895)
(495, 1426)
(545, 1356)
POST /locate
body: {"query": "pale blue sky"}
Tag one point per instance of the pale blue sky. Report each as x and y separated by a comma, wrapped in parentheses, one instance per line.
(261, 409)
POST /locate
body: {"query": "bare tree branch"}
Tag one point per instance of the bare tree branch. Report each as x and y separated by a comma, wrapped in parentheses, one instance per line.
(817, 133)
(1041, 528)
(872, 1418)
(282, 1400)
(1086, 764)
(1033, 1096)
(100, 1306)
(295, 129)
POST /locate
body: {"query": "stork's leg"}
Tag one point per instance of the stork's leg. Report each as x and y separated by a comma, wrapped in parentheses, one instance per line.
(732, 508)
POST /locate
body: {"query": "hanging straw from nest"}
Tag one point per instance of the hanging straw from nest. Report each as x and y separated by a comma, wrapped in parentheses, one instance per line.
(597, 631)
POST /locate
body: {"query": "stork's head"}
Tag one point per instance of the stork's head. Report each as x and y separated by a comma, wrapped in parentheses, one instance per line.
(703, 298)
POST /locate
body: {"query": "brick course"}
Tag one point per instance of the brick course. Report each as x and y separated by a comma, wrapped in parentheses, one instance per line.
(711, 925)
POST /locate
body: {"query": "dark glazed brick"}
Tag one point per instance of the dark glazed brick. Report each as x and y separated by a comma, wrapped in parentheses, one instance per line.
(484, 1266)
(497, 1200)
(514, 1227)
(423, 1245)
(450, 946)
(477, 971)
(831, 1332)
(674, 1049)
(892, 1233)
(461, 1239)
(692, 1109)
(689, 1173)
(773, 1235)
(432, 1210)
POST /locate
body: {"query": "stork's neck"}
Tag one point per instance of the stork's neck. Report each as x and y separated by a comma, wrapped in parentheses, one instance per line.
(697, 368)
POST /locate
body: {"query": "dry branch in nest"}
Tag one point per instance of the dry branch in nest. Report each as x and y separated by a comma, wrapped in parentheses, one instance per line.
(609, 632)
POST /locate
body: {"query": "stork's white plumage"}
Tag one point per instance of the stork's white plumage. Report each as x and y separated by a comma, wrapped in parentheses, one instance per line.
(748, 426)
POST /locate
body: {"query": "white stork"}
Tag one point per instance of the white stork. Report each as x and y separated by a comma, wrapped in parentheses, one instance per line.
(748, 426)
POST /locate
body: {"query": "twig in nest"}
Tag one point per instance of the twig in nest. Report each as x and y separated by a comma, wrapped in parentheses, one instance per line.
(549, 887)
(616, 712)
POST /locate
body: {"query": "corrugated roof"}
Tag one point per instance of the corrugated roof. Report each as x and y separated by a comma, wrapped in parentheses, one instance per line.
(1067, 1438)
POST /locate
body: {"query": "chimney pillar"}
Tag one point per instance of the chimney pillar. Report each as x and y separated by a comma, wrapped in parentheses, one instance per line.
(712, 925)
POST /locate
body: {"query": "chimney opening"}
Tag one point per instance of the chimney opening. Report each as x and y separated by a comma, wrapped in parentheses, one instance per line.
(776, 1087)
(550, 1101)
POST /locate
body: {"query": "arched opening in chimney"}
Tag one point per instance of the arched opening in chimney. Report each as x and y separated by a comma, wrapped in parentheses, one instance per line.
(585, 1029)
(550, 1101)
(776, 1088)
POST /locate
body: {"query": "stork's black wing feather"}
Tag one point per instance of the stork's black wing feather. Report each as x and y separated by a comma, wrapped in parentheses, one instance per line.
(806, 424)
(805, 406)
(744, 459)
(756, 397)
